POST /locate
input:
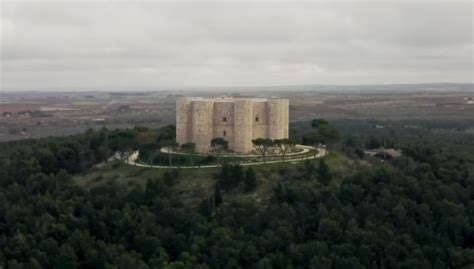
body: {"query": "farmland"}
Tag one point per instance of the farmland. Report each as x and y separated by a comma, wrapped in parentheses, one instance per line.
(39, 114)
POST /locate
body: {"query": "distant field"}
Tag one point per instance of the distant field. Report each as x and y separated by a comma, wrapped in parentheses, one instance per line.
(18, 107)
(84, 103)
(383, 106)
(151, 109)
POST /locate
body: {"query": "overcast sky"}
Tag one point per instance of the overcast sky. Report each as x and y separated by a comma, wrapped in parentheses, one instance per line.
(107, 44)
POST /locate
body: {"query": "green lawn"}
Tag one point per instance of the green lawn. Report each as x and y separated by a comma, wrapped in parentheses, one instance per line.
(186, 159)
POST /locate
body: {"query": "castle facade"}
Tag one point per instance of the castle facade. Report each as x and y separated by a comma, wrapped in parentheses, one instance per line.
(237, 120)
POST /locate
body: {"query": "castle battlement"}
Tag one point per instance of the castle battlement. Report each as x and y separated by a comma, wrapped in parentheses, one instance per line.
(237, 120)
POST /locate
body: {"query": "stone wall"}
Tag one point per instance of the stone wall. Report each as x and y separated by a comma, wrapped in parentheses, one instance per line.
(223, 121)
(238, 120)
(260, 127)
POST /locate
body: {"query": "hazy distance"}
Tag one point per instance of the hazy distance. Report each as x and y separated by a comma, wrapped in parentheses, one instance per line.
(110, 46)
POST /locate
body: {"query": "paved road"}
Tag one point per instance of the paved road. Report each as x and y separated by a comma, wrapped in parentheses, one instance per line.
(132, 160)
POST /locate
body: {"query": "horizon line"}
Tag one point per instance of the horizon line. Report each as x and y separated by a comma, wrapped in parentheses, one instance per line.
(190, 88)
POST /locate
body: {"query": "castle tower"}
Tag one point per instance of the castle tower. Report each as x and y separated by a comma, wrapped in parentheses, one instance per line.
(201, 133)
(243, 125)
(278, 118)
(183, 120)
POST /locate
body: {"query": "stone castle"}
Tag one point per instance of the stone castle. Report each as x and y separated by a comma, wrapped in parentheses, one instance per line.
(237, 120)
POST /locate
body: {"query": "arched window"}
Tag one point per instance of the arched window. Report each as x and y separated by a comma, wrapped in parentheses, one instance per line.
(224, 133)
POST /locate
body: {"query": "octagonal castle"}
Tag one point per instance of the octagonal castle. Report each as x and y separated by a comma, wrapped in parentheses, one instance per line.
(237, 120)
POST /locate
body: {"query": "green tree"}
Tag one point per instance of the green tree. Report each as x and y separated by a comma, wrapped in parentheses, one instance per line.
(250, 182)
(325, 132)
(329, 134)
(219, 145)
(316, 123)
(170, 178)
(33, 264)
(167, 133)
(67, 258)
(189, 148)
(320, 263)
(351, 142)
(324, 174)
(309, 169)
(217, 196)
(284, 145)
(314, 141)
(169, 146)
(131, 261)
(230, 177)
(122, 142)
(14, 264)
(262, 145)
(372, 143)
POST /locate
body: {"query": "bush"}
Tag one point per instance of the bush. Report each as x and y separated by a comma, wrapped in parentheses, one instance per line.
(250, 182)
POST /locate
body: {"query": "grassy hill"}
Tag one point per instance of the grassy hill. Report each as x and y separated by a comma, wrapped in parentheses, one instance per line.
(194, 185)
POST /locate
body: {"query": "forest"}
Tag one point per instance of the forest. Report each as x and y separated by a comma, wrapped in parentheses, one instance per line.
(415, 211)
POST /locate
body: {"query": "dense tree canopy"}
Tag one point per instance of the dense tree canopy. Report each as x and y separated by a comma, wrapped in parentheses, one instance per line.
(415, 212)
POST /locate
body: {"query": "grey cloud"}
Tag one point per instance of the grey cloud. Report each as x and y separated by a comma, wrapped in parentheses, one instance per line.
(233, 44)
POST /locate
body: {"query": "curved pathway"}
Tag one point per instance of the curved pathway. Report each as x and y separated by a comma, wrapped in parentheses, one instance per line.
(132, 160)
(304, 150)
